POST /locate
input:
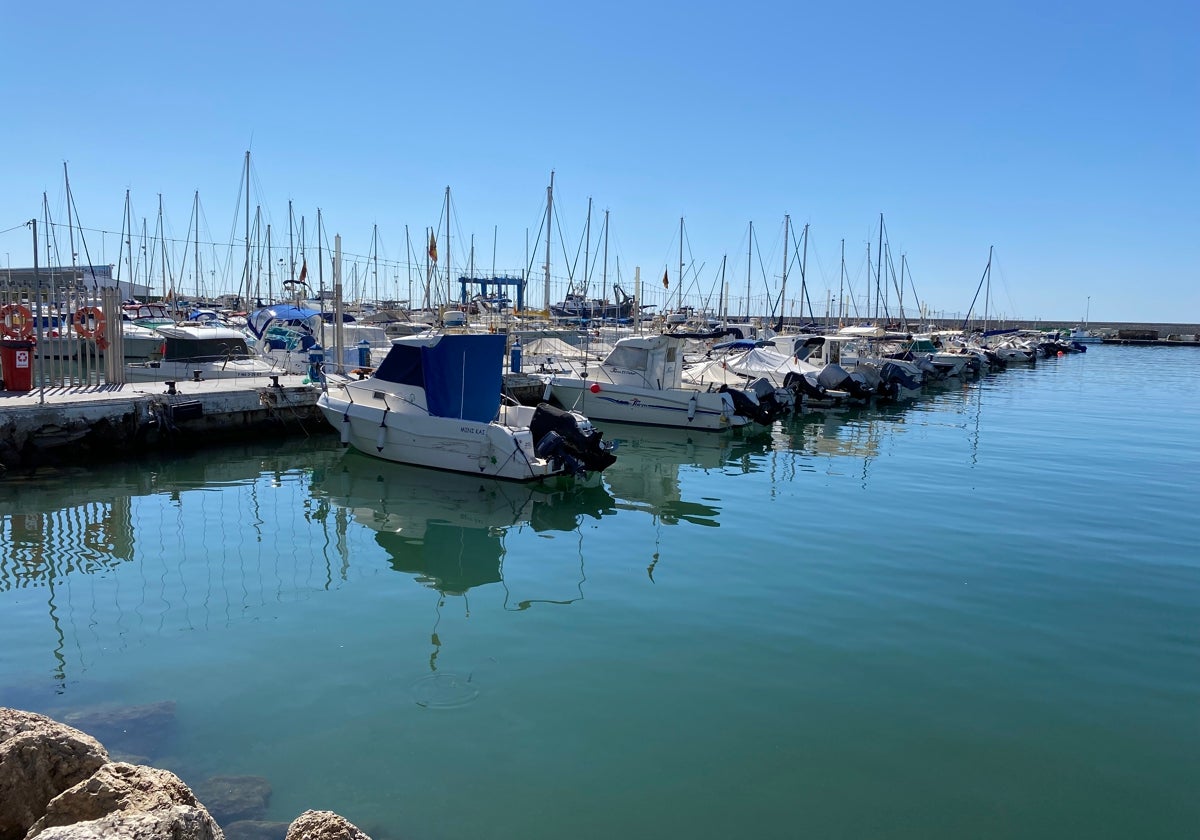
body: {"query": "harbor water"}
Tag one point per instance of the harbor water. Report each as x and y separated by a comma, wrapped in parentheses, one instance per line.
(976, 614)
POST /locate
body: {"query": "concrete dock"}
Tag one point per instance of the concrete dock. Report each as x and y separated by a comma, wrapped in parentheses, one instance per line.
(98, 422)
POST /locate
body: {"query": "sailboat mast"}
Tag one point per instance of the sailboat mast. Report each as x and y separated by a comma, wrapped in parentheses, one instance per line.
(679, 306)
(842, 284)
(549, 215)
(587, 241)
(247, 273)
(724, 307)
(604, 270)
(879, 267)
(320, 263)
(162, 238)
(804, 278)
(988, 290)
(196, 246)
(70, 220)
(270, 277)
(291, 245)
(448, 261)
(787, 221)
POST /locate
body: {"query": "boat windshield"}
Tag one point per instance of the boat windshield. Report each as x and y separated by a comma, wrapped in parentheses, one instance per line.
(197, 349)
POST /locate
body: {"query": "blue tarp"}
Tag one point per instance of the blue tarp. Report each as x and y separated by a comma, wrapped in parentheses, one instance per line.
(462, 374)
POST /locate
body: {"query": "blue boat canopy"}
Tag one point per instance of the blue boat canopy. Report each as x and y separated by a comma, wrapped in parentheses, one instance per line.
(289, 315)
(463, 375)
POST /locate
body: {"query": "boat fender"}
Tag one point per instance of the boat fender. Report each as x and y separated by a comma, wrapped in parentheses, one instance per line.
(692, 408)
(345, 429)
(594, 387)
(381, 435)
(546, 392)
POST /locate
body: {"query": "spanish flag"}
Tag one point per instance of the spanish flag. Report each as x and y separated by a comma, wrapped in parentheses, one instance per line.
(666, 282)
(432, 246)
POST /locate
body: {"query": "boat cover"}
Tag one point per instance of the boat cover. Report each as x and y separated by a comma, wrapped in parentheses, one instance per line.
(462, 374)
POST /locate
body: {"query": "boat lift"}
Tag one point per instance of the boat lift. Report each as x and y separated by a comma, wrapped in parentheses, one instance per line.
(497, 282)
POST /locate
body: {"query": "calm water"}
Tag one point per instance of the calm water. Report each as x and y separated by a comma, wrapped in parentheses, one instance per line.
(974, 616)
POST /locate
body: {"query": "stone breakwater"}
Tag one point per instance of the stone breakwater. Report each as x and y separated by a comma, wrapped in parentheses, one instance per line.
(59, 783)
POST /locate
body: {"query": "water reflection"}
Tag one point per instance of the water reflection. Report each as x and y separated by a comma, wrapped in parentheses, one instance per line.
(448, 530)
(650, 461)
(138, 548)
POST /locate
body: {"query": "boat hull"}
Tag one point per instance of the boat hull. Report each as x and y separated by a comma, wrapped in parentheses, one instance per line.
(678, 408)
(463, 446)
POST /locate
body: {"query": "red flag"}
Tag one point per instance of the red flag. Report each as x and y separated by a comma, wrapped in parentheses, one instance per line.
(303, 270)
(666, 282)
(432, 246)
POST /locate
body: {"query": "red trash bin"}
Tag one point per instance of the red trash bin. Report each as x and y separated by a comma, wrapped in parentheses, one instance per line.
(16, 365)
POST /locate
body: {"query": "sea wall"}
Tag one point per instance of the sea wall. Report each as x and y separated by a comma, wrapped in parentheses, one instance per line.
(60, 783)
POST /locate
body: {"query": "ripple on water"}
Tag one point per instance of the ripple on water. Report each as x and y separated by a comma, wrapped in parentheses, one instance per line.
(443, 691)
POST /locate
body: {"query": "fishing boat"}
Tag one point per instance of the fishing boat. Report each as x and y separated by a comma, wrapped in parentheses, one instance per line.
(578, 307)
(435, 401)
(191, 350)
(641, 381)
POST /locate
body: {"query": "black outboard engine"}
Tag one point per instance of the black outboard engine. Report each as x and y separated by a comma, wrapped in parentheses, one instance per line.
(836, 377)
(746, 405)
(892, 377)
(779, 402)
(570, 440)
(801, 384)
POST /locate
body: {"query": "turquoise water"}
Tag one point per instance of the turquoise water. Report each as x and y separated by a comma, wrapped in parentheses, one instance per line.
(976, 615)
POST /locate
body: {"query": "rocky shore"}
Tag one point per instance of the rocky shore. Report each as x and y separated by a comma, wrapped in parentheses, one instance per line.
(60, 783)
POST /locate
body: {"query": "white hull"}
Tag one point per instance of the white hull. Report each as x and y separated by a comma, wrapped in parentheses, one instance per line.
(674, 407)
(466, 446)
(185, 372)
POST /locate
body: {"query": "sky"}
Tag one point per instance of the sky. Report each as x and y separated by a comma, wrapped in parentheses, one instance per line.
(1061, 138)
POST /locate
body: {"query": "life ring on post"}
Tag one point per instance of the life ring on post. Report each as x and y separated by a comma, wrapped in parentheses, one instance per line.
(16, 321)
(89, 322)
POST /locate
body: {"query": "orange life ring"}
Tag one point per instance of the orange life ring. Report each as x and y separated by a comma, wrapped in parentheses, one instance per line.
(89, 322)
(16, 321)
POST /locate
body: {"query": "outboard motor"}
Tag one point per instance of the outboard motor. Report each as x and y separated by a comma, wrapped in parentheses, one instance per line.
(745, 404)
(837, 378)
(553, 448)
(580, 439)
(894, 377)
(780, 402)
(801, 384)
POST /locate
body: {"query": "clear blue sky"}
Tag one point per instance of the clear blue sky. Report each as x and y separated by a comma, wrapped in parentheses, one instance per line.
(1065, 135)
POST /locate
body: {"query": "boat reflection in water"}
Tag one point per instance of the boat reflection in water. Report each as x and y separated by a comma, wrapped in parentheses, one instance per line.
(646, 476)
(448, 529)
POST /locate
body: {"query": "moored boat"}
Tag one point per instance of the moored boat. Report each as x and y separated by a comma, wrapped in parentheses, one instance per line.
(435, 401)
(641, 381)
(190, 350)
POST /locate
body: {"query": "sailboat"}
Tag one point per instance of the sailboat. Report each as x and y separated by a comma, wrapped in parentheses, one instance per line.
(1081, 334)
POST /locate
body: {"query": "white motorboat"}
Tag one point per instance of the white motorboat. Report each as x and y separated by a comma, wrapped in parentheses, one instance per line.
(287, 335)
(435, 401)
(641, 381)
(191, 350)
